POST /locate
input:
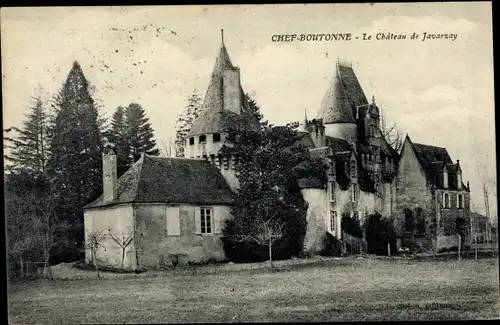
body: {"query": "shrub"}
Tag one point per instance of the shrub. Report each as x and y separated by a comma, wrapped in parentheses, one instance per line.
(379, 232)
(331, 246)
(351, 226)
(83, 265)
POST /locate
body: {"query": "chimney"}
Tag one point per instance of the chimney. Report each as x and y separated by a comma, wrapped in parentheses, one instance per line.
(459, 175)
(109, 174)
(232, 90)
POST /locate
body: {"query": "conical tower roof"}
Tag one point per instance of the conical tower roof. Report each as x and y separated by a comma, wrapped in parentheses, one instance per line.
(342, 96)
(214, 118)
(335, 106)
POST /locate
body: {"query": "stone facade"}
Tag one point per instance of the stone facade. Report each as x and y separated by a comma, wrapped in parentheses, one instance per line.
(161, 234)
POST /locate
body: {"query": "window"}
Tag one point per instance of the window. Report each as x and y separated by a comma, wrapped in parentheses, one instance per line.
(446, 200)
(173, 221)
(203, 138)
(332, 191)
(333, 218)
(191, 140)
(460, 201)
(354, 194)
(206, 220)
(330, 166)
(216, 137)
(445, 178)
(353, 168)
(355, 215)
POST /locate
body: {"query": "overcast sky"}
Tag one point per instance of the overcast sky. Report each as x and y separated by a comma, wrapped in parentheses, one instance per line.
(440, 92)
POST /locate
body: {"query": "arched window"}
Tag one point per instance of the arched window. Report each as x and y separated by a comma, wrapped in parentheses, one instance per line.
(409, 221)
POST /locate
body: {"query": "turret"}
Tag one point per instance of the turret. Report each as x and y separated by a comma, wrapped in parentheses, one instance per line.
(224, 107)
(338, 109)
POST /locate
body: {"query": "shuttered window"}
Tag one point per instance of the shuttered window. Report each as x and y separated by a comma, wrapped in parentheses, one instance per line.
(173, 221)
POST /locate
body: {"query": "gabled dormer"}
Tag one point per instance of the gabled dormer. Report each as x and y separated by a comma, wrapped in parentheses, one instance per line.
(445, 176)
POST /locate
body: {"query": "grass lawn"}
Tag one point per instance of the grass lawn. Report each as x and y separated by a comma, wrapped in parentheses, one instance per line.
(348, 290)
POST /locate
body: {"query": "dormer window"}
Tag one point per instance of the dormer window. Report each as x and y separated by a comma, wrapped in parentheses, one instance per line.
(191, 141)
(445, 178)
(216, 137)
(203, 138)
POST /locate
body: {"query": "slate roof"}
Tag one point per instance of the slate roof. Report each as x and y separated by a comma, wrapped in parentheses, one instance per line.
(433, 160)
(342, 96)
(214, 119)
(305, 140)
(170, 180)
(337, 144)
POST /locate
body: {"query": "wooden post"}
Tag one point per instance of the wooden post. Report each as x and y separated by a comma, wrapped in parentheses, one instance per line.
(475, 239)
(388, 249)
(459, 245)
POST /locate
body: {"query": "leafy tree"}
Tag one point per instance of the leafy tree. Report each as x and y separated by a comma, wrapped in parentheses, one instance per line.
(118, 137)
(268, 187)
(29, 148)
(75, 164)
(255, 110)
(379, 233)
(186, 120)
(139, 132)
(351, 225)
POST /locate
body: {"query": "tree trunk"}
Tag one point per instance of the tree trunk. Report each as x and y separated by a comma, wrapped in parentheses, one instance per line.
(459, 245)
(123, 256)
(94, 257)
(270, 253)
(476, 245)
(22, 265)
(47, 271)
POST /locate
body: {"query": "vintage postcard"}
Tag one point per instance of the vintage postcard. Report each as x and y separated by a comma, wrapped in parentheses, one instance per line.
(250, 163)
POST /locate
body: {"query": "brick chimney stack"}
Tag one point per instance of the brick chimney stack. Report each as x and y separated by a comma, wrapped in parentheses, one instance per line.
(109, 173)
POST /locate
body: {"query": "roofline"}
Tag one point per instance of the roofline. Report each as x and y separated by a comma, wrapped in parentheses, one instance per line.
(428, 145)
(178, 158)
(324, 123)
(132, 202)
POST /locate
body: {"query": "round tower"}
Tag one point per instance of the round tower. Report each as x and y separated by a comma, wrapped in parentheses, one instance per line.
(224, 107)
(337, 113)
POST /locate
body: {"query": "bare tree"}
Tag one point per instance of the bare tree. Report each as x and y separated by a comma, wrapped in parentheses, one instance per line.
(264, 233)
(392, 134)
(94, 242)
(46, 224)
(488, 183)
(123, 241)
(168, 148)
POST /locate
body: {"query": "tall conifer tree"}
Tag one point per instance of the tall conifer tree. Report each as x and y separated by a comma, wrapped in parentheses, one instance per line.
(185, 121)
(139, 133)
(75, 164)
(118, 137)
(29, 144)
